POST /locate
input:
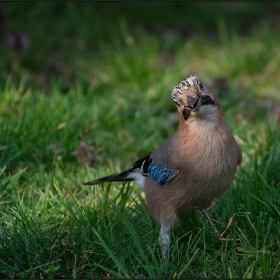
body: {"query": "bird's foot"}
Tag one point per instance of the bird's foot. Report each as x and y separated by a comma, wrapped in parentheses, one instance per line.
(217, 233)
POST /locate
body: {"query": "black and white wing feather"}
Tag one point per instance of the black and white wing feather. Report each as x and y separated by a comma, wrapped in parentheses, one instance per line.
(141, 168)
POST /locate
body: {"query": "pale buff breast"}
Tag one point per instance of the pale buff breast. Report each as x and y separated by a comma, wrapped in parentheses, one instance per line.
(207, 155)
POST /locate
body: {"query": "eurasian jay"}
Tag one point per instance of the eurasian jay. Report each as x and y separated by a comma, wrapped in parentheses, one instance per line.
(192, 169)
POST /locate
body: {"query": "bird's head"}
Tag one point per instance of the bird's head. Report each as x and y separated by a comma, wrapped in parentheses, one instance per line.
(193, 99)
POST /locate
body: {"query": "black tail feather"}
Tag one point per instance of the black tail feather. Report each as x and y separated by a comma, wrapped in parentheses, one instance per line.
(120, 177)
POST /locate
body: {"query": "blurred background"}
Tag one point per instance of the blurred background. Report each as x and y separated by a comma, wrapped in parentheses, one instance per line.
(44, 41)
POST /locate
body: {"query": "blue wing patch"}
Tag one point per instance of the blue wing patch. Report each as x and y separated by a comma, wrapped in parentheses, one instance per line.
(161, 174)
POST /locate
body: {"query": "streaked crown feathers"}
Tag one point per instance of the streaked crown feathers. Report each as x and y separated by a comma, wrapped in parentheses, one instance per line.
(184, 85)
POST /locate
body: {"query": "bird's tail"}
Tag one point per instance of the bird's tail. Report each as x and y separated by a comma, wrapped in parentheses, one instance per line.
(120, 177)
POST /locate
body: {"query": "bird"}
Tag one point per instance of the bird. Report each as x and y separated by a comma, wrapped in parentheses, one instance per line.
(193, 168)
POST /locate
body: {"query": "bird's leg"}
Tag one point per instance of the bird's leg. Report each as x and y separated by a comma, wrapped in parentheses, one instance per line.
(217, 233)
(210, 223)
(164, 239)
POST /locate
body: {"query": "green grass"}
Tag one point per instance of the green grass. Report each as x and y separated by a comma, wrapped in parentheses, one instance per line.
(113, 93)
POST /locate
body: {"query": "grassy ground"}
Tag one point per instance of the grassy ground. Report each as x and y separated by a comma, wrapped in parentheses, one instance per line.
(89, 94)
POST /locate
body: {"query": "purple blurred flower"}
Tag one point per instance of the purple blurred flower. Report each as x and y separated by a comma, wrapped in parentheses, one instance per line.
(17, 41)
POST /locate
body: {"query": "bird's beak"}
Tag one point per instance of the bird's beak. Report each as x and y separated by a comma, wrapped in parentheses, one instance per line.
(193, 102)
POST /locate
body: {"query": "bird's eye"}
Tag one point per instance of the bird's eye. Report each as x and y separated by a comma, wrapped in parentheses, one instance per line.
(201, 86)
